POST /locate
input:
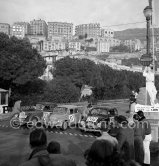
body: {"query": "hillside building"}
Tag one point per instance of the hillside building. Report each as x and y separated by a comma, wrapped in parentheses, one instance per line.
(61, 30)
(5, 28)
(38, 27)
(102, 45)
(74, 45)
(55, 45)
(107, 33)
(20, 29)
(92, 30)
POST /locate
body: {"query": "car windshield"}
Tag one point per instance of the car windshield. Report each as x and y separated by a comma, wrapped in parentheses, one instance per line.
(99, 111)
(60, 110)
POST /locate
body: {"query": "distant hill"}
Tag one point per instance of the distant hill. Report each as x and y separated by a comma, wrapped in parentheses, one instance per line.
(137, 33)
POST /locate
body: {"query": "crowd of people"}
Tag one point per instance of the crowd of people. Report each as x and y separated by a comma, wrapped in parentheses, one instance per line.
(124, 145)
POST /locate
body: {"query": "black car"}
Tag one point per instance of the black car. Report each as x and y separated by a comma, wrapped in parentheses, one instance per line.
(96, 116)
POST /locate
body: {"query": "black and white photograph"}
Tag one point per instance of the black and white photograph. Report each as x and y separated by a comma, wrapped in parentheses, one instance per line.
(79, 82)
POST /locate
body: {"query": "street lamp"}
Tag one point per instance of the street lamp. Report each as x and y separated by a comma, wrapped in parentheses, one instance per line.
(146, 59)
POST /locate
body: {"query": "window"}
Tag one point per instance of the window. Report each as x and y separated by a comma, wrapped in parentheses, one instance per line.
(71, 111)
(76, 110)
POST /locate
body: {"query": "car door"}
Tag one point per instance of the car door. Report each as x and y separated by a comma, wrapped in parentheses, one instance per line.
(72, 115)
(77, 115)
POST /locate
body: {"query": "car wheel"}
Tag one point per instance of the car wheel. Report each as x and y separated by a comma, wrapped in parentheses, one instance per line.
(15, 123)
(97, 134)
(82, 131)
(64, 125)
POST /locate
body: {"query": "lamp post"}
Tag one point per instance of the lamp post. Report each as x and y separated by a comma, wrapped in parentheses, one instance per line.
(146, 59)
(148, 13)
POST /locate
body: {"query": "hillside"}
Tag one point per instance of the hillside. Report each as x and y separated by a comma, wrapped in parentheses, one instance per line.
(137, 33)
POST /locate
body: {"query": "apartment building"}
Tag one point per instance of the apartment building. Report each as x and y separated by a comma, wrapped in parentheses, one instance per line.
(74, 45)
(20, 29)
(114, 42)
(62, 30)
(5, 28)
(50, 45)
(38, 27)
(102, 45)
(133, 44)
(107, 33)
(92, 30)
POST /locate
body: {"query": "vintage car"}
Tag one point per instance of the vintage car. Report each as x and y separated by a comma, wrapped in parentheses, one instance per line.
(32, 114)
(63, 116)
(96, 116)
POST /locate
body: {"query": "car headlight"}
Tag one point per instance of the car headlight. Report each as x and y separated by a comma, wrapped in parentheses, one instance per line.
(98, 124)
(83, 123)
(16, 115)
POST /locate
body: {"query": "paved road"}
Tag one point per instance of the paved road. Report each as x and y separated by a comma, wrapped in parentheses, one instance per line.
(14, 145)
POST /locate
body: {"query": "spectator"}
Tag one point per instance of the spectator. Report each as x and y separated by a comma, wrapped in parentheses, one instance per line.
(138, 140)
(17, 106)
(54, 147)
(86, 110)
(150, 86)
(125, 137)
(146, 137)
(105, 135)
(101, 153)
(132, 109)
(40, 156)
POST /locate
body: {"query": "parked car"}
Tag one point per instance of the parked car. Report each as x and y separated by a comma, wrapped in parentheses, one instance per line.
(32, 114)
(64, 116)
(96, 116)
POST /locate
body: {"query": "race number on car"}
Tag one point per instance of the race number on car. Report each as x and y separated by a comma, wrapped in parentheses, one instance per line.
(71, 118)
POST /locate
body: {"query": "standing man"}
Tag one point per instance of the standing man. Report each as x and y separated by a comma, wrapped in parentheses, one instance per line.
(146, 137)
(132, 109)
(106, 136)
(138, 140)
(150, 86)
(17, 107)
(125, 137)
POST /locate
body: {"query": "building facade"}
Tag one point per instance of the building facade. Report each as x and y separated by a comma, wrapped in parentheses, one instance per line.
(75, 45)
(60, 29)
(20, 29)
(49, 45)
(5, 28)
(107, 33)
(38, 27)
(92, 30)
(102, 45)
(114, 42)
(133, 45)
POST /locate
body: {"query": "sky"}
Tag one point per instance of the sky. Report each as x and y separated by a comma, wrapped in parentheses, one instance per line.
(106, 12)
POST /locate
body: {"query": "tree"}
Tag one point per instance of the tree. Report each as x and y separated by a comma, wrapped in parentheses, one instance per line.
(61, 91)
(78, 71)
(81, 37)
(85, 36)
(20, 63)
(131, 61)
(120, 48)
